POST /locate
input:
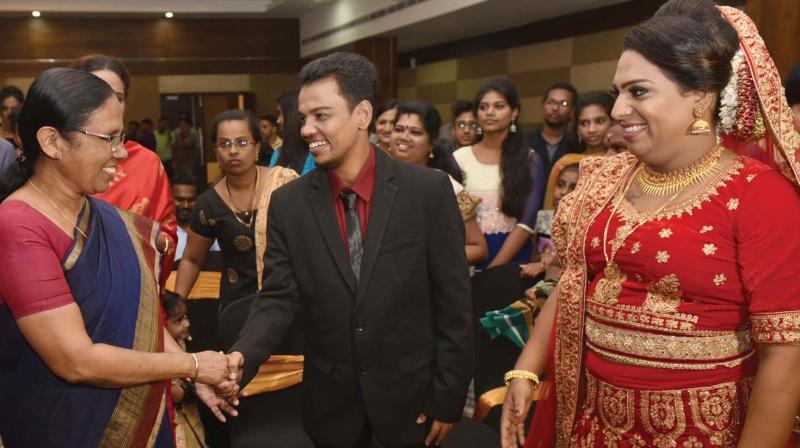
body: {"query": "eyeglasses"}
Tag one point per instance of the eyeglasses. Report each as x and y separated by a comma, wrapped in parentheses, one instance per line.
(240, 142)
(116, 140)
(554, 103)
(467, 124)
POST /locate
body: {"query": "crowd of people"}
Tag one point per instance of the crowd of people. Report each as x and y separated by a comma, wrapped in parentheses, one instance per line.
(652, 225)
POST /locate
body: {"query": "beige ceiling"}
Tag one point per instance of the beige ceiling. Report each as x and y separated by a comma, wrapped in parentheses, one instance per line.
(270, 8)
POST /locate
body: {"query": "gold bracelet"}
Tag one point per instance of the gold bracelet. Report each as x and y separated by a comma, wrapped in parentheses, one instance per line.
(524, 374)
(196, 366)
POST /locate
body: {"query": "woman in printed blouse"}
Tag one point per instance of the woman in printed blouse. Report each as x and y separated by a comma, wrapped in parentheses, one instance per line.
(506, 175)
(413, 135)
(675, 322)
(234, 212)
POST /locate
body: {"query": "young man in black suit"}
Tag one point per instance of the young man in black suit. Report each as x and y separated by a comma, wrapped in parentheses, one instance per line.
(368, 253)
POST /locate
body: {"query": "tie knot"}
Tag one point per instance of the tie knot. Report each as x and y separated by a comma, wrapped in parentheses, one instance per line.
(349, 198)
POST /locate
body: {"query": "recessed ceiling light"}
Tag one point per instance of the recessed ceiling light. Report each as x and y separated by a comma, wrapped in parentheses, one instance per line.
(36, 13)
(169, 14)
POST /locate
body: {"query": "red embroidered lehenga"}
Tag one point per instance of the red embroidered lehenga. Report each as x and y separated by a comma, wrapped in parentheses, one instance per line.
(657, 345)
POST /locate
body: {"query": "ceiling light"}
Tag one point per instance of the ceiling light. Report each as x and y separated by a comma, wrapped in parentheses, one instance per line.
(36, 13)
(169, 14)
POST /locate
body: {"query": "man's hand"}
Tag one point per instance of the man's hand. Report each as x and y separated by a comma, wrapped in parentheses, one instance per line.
(439, 430)
(216, 403)
(230, 388)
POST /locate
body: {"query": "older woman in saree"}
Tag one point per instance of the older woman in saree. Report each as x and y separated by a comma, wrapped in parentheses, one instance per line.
(675, 322)
(84, 354)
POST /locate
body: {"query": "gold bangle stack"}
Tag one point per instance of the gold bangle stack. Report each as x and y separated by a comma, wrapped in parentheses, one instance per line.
(523, 374)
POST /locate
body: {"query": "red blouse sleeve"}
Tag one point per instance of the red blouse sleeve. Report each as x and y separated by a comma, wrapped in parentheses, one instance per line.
(766, 221)
(32, 247)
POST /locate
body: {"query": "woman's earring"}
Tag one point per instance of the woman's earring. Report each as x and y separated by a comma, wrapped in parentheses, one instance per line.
(699, 126)
(57, 155)
(513, 128)
(479, 131)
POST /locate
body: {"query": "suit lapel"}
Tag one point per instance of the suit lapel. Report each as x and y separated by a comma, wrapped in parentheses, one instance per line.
(322, 204)
(382, 201)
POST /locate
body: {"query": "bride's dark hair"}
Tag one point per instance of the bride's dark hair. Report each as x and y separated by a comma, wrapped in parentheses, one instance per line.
(690, 42)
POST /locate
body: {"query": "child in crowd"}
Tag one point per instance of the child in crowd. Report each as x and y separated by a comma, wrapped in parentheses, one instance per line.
(189, 431)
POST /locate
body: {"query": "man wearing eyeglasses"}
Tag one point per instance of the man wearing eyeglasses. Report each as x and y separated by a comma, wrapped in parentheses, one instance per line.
(465, 125)
(554, 139)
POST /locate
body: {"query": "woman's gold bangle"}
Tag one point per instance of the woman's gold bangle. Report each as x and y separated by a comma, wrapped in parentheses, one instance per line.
(524, 374)
(196, 366)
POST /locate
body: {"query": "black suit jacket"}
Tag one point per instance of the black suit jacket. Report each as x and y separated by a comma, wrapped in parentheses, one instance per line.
(390, 346)
(568, 144)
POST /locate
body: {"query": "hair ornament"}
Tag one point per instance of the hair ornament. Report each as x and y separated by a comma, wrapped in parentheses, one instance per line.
(729, 100)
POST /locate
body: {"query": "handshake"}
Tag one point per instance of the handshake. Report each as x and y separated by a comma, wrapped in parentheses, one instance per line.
(217, 379)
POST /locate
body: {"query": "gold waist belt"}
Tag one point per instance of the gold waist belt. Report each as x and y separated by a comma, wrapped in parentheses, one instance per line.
(279, 372)
(640, 348)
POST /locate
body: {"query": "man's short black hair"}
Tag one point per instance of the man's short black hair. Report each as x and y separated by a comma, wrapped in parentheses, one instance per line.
(562, 85)
(148, 122)
(184, 177)
(355, 75)
(460, 107)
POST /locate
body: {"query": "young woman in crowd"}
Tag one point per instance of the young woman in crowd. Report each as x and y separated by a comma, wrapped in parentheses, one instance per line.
(85, 354)
(413, 136)
(679, 296)
(293, 153)
(234, 213)
(505, 174)
(384, 124)
(593, 118)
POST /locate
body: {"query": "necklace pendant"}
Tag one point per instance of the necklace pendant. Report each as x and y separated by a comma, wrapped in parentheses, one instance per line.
(609, 288)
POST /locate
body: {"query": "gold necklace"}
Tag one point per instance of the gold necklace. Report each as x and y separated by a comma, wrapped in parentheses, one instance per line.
(609, 287)
(64, 215)
(653, 183)
(247, 213)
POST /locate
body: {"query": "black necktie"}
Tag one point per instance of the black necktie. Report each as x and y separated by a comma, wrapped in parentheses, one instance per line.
(353, 225)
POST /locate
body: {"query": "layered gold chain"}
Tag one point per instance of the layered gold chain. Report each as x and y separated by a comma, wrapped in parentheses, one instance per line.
(653, 183)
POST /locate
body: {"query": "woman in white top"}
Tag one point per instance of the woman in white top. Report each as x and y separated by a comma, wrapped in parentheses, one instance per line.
(416, 128)
(505, 174)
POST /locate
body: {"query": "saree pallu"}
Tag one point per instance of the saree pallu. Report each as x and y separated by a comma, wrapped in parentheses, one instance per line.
(113, 277)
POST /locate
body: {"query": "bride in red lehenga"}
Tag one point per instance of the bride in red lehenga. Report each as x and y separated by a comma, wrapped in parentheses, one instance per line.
(676, 322)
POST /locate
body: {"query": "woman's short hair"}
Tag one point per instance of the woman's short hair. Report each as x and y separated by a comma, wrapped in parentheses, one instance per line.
(236, 115)
(432, 121)
(594, 98)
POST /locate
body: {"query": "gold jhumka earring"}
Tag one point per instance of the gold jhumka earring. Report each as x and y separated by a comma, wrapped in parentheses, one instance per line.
(699, 126)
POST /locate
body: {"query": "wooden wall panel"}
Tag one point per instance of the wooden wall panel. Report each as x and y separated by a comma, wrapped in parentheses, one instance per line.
(152, 46)
(778, 22)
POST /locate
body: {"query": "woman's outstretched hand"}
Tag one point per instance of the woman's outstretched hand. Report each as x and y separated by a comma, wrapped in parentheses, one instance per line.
(515, 412)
